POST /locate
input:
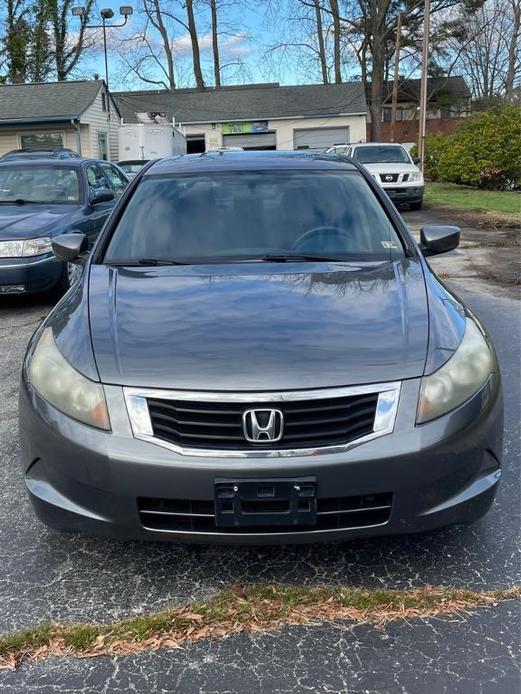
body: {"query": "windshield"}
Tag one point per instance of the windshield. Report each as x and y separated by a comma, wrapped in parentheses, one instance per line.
(132, 166)
(392, 154)
(39, 183)
(252, 215)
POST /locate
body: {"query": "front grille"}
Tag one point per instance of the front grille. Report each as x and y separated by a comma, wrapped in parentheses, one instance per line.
(307, 423)
(389, 178)
(187, 515)
(405, 178)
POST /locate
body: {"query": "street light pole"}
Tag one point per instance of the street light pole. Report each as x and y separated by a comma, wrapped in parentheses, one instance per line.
(105, 54)
(106, 13)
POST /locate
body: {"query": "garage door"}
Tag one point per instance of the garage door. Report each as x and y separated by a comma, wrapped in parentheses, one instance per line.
(319, 138)
(250, 140)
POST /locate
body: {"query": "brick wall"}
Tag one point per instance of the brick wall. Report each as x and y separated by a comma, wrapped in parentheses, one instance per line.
(407, 131)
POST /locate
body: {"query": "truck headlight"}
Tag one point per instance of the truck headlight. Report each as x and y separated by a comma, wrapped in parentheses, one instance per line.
(60, 384)
(415, 176)
(459, 378)
(25, 249)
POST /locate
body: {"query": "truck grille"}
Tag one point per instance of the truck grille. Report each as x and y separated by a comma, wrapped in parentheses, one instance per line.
(186, 515)
(219, 425)
(389, 178)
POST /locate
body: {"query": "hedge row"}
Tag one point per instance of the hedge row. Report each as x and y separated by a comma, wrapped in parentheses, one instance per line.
(484, 152)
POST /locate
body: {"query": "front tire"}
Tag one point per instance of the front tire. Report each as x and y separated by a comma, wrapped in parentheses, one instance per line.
(416, 205)
(70, 274)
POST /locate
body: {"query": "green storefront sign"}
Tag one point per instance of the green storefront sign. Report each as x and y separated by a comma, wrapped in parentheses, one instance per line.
(244, 127)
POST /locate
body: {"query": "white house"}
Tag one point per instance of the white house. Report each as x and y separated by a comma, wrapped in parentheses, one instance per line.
(79, 115)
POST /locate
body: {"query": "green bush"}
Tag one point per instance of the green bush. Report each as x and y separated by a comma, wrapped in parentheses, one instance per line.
(485, 151)
(435, 147)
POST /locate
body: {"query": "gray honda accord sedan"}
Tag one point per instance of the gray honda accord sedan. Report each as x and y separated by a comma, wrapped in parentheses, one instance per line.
(258, 352)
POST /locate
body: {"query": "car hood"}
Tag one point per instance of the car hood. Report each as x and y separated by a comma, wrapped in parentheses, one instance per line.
(27, 221)
(381, 167)
(258, 327)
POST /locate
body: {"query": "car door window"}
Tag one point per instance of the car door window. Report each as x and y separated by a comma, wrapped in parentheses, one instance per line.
(117, 181)
(96, 179)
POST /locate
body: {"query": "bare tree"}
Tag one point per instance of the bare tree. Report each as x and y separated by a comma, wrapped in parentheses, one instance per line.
(192, 30)
(146, 54)
(335, 14)
(154, 14)
(68, 46)
(487, 48)
(215, 43)
(304, 38)
(514, 50)
(369, 27)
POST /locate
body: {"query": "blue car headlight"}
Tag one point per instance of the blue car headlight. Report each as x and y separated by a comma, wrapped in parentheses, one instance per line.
(25, 249)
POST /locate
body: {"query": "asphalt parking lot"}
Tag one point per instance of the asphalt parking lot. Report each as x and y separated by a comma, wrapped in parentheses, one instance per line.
(46, 575)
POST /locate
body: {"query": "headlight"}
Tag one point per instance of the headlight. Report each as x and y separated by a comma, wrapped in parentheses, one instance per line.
(459, 378)
(25, 249)
(59, 383)
(415, 176)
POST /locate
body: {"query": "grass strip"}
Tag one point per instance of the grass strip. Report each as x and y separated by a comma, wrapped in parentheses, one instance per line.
(242, 608)
(502, 202)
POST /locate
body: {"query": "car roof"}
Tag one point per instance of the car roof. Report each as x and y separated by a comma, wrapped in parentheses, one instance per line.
(51, 161)
(377, 144)
(252, 160)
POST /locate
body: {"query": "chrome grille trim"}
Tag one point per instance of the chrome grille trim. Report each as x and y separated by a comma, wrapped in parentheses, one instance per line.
(386, 409)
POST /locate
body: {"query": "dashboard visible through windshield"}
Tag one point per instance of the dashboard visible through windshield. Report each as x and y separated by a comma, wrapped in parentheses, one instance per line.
(39, 183)
(252, 215)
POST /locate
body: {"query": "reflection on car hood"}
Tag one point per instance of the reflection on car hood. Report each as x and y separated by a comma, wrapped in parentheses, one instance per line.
(267, 328)
(28, 221)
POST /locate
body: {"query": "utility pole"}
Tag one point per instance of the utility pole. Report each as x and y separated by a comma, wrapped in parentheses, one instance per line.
(422, 125)
(396, 74)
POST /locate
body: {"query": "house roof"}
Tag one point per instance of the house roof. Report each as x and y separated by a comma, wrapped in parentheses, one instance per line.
(449, 89)
(245, 102)
(46, 102)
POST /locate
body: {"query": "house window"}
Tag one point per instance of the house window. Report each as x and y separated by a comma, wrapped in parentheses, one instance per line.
(103, 101)
(387, 114)
(41, 140)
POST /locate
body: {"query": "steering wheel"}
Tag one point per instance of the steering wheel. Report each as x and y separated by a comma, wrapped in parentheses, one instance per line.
(317, 231)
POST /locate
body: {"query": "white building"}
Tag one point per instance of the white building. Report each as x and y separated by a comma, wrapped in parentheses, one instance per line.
(79, 115)
(257, 116)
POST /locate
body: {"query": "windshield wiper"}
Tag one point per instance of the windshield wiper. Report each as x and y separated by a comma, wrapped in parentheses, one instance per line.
(141, 262)
(296, 257)
(16, 201)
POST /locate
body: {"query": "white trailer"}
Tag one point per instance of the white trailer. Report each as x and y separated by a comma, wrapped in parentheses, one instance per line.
(150, 141)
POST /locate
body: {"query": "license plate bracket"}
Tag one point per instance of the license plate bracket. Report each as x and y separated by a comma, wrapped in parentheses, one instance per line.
(265, 502)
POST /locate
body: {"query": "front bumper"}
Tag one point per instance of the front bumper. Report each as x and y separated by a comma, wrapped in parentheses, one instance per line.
(29, 275)
(406, 194)
(82, 479)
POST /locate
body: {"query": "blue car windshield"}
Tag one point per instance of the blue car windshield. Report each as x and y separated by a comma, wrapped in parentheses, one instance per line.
(39, 183)
(251, 215)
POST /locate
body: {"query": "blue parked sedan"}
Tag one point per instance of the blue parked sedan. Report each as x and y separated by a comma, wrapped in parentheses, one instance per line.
(40, 199)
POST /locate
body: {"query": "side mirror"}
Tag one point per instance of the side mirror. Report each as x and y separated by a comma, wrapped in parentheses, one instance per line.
(439, 239)
(416, 160)
(69, 247)
(101, 195)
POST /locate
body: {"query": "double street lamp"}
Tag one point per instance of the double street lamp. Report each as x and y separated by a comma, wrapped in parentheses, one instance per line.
(105, 14)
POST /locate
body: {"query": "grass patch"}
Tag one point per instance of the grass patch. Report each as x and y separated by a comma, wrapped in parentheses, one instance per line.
(503, 203)
(243, 608)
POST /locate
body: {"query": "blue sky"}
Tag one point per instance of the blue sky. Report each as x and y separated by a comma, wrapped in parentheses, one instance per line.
(243, 40)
